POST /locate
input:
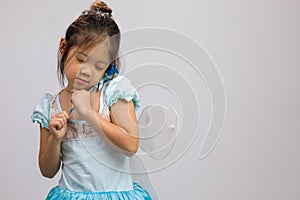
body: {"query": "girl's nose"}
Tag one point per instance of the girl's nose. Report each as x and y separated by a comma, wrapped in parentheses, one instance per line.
(85, 70)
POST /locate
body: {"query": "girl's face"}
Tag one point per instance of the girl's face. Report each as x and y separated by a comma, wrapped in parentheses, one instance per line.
(85, 68)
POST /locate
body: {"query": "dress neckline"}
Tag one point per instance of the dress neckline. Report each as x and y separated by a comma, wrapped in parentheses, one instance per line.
(76, 121)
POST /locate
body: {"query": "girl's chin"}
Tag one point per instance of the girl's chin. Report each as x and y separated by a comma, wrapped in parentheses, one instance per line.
(79, 86)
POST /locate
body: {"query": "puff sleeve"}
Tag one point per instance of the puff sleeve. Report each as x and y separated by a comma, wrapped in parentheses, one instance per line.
(120, 87)
(41, 111)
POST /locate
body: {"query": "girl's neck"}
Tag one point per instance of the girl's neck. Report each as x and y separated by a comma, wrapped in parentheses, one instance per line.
(68, 90)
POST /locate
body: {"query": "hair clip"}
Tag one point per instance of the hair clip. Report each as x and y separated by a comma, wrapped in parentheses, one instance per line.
(111, 70)
(86, 12)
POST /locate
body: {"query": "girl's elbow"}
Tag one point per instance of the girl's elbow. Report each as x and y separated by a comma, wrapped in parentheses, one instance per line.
(130, 153)
(50, 176)
(47, 174)
(132, 149)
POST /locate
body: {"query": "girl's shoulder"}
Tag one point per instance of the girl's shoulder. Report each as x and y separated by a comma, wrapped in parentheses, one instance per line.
(41, 110)
(121, 87)
(119, 81)
(45, 100)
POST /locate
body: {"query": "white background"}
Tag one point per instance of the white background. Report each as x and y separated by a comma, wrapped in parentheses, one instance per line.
(255, 45)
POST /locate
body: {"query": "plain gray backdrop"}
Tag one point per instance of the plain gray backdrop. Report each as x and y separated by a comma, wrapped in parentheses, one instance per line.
(255, 45)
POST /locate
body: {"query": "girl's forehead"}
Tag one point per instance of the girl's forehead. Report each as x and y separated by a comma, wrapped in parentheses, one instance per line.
(100, 48)
(95, 52)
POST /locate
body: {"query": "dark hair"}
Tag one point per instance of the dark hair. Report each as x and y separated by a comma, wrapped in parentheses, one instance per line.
(91, 28)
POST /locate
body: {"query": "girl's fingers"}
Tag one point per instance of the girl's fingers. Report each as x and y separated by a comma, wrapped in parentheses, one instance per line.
(62, 116)
(57, 124)
(59, 120)
(63, 120)
(66, 114)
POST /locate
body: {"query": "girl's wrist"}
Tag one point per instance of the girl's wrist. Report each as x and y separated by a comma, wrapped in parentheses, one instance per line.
(85, 113)
(90, 115)
(54, 140)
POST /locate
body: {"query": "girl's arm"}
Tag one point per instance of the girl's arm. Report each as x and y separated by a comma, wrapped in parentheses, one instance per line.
(49, 154)
(123, 132)
(50, 144)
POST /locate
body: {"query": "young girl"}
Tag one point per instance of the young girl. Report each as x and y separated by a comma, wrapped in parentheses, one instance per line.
(95, 112)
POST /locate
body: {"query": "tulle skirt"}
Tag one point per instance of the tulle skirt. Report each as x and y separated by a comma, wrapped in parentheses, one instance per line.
(138, 193)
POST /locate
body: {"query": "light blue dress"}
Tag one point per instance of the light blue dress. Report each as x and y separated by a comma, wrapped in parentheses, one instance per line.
(91, 169)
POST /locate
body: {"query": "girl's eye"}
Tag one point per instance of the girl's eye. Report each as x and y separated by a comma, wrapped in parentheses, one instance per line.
(99, 68)
(81, 60)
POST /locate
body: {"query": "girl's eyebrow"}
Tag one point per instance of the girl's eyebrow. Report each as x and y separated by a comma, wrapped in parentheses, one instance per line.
(88, 57)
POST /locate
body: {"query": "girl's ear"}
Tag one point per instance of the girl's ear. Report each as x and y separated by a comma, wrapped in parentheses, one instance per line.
(62, 45)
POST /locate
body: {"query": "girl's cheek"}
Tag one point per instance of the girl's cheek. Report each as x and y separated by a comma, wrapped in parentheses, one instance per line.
(71, 72)
(100, 75)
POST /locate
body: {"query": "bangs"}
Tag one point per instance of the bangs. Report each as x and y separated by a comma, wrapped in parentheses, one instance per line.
(88, 41)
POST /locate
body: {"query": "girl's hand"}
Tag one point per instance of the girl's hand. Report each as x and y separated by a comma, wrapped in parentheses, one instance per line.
(58, 125)
(81, 99)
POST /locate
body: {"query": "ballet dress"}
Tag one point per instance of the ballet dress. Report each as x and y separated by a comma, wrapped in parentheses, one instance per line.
(91, 168)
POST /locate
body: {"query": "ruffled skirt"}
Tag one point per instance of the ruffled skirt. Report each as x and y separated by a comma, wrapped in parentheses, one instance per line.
(138, 193)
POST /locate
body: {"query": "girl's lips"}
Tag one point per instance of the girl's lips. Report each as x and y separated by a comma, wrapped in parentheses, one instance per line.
(81, 81)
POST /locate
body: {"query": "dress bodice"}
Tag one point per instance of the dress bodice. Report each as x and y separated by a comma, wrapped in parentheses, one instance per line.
(88, 162)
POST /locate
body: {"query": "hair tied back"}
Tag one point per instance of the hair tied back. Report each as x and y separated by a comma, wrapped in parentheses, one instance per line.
(100, 6)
